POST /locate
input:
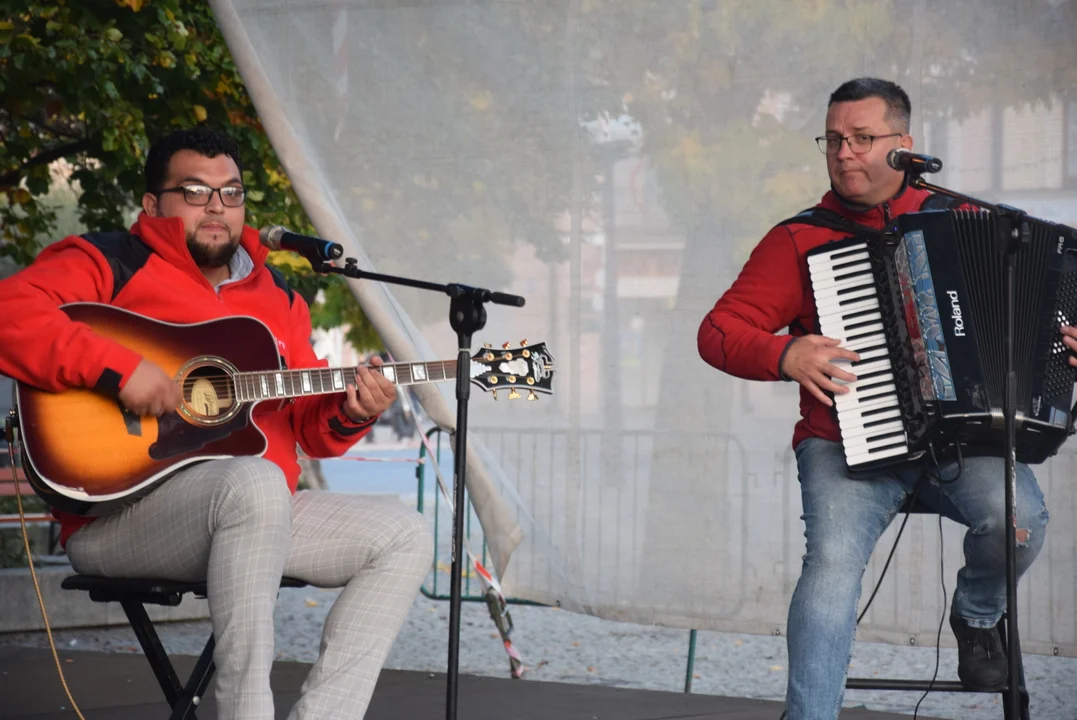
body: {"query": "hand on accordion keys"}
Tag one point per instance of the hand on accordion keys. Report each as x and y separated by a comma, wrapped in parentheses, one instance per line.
(809, 360)
(1069, 339)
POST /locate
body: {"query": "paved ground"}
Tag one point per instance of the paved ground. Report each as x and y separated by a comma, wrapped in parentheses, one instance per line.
(565, 647)
(560, 646)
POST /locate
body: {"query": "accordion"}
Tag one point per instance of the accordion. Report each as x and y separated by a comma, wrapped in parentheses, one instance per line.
(923, 305)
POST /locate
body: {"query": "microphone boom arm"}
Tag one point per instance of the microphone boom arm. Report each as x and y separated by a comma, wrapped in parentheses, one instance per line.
(453, 290)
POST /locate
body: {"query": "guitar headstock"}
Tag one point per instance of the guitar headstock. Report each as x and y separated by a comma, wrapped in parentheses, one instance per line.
(527, 367)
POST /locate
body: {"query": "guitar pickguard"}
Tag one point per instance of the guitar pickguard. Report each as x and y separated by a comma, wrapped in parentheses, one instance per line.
(131, 420)
(176, 436)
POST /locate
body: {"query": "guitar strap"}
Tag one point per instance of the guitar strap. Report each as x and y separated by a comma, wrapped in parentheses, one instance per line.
(125, 253)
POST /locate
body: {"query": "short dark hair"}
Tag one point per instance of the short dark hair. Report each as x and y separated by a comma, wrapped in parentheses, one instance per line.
(898, 107)
(201, 139)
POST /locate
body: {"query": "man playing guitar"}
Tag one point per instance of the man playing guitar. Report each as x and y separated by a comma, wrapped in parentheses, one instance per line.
(237, 523)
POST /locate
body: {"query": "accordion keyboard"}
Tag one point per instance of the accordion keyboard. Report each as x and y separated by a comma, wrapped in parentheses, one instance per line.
(869, 415)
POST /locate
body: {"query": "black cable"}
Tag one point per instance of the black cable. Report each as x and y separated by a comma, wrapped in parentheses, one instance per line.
(942, 620)
(908, 512)
(910, 504)
(960, 464)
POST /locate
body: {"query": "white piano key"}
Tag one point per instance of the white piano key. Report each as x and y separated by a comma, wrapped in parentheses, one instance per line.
(866, 368)
(859, 445)
(872, 354)
(837, 312)
(818, 263)
(853, 323)
(856, 384)
(832, 287)
(861, 338)
(826, 258)
(875, 403)
(846, 329)
(858, 394)
(882, 429)
(864, 457)
(847, 292)
(839, 273)
(852, 419)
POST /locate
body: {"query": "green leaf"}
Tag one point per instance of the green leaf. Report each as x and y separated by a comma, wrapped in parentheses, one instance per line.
(108, 139)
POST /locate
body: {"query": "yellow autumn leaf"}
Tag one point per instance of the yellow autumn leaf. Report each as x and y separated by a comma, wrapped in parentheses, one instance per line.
(690, 147)
(200, 113)
(135, 5)
(447, 568)
(482, 101)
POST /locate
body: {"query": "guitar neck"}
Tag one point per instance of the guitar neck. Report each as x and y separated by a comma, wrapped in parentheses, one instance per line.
(281, 384)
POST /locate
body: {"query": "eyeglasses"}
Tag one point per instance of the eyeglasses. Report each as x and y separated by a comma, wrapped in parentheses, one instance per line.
(831, 144)
(200, 195)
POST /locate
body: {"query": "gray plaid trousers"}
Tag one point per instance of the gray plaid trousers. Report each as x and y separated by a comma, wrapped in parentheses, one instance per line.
(235, 524)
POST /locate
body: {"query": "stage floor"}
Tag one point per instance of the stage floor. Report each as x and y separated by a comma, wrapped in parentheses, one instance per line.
(122, 687)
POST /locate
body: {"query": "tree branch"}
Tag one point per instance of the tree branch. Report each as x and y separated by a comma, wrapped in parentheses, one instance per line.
(44, 158)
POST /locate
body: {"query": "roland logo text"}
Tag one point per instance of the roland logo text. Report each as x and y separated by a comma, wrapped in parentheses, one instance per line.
(955, 314)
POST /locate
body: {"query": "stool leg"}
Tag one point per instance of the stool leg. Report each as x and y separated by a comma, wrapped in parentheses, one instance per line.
(155, 651)
(196, 685)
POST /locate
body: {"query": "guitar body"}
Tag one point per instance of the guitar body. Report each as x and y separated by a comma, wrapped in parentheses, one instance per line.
(85, 454)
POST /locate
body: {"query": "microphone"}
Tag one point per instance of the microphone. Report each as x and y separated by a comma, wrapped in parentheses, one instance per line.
(906, 161)
(314, 249)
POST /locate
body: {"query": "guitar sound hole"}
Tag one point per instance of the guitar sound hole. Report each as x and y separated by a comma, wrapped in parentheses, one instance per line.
(208, 393)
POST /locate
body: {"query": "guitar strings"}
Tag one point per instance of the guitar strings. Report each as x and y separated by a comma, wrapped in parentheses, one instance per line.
(227, 381)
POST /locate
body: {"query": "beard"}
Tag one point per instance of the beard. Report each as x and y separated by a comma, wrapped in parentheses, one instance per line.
(214, 256)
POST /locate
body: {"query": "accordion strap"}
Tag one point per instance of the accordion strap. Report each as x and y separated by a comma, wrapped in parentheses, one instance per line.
(824, 217)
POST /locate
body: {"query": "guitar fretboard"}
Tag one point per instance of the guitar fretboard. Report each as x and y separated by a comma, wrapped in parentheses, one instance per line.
(280, 384)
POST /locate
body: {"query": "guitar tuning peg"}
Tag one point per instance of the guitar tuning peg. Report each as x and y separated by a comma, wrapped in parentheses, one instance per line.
(506, 345)
(531, 395)
(494, 393)
(523, 343)
(487, 345)
(513, 395)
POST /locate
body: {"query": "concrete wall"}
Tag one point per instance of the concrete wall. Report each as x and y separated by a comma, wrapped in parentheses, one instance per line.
(20, 611)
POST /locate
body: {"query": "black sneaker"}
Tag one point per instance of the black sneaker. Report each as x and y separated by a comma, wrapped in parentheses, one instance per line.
(981, 662)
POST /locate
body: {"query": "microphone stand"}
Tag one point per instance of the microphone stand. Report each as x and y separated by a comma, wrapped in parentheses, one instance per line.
(1012, 236)
(466, 316)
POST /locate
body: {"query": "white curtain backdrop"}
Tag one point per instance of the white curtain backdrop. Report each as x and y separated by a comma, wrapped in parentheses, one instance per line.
(614, 161)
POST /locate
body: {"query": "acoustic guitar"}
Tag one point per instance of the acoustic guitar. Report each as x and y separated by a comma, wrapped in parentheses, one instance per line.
(84, 453)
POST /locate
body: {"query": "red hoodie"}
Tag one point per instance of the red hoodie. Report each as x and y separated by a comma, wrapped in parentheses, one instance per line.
(40, 346)
(773, 292)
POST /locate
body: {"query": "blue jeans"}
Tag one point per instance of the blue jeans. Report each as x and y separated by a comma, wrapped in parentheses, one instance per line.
(843, 519)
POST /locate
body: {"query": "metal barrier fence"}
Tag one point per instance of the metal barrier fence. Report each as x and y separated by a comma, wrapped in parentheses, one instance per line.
(439, 442)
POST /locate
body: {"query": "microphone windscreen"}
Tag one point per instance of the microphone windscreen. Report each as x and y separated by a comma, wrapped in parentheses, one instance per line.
(270, 236)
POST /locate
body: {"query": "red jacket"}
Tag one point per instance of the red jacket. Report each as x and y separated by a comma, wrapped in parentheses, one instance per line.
(40, 346)
(773, 292)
